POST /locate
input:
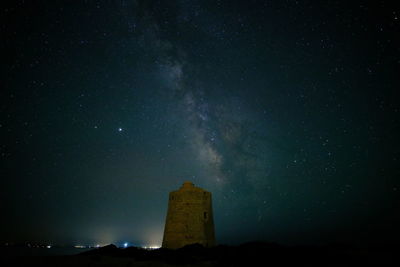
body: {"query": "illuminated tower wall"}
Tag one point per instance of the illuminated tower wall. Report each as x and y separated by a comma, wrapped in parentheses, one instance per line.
(189, 218)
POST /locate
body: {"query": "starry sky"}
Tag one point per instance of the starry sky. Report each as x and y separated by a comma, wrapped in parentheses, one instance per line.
(287, 111)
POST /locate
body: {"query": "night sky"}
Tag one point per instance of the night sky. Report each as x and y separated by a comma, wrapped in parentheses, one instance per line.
(287, 111)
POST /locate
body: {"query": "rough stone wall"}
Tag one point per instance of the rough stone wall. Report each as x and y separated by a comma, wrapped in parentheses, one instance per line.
(189, 218)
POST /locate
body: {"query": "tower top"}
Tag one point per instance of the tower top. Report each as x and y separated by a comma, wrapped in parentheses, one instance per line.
(187, 184)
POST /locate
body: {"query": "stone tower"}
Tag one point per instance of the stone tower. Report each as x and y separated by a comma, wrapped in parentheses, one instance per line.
(189, 218)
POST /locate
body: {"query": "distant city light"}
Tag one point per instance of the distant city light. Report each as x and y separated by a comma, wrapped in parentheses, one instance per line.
(79, 246)
(125, 244)
(48, 246)
(151, 247)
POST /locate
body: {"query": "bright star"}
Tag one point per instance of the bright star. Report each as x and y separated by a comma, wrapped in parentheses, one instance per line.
(119, 129)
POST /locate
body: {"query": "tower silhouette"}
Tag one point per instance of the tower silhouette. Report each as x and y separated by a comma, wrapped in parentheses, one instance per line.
(189, 218)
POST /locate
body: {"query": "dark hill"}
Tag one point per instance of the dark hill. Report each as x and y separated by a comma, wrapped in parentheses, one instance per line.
(248, 254)
(271, 254)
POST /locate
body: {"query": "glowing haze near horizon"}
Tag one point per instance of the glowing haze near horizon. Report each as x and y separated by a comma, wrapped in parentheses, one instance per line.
(286, 111)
